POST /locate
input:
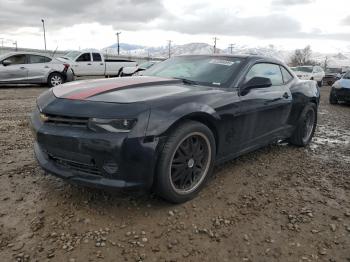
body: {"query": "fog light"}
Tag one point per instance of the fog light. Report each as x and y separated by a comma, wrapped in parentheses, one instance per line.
(110, 167)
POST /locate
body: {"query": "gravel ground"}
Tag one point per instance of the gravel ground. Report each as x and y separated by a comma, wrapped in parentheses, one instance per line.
(280, 203)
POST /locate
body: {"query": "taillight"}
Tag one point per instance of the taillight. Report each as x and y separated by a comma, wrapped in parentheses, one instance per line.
(66, 66)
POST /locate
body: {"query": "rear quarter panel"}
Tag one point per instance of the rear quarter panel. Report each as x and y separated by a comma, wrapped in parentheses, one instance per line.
(303, 93)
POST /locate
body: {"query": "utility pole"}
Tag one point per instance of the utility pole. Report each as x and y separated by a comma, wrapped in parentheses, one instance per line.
(15, 44)
(169, 48)
(43, 21)
(118, 46)
(215, 39)
(231, 47)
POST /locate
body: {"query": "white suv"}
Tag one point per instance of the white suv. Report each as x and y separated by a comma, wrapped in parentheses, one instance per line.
(310, 73)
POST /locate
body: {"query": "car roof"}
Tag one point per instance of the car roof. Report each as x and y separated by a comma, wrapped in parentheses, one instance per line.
(244, 56)
(26, 53)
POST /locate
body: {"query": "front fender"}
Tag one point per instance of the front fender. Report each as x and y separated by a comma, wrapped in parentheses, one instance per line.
(161, 119)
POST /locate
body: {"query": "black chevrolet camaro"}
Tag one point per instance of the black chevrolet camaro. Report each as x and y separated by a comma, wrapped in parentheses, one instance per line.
(165, 130)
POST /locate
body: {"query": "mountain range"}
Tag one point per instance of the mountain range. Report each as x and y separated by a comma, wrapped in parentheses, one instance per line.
(333, 59)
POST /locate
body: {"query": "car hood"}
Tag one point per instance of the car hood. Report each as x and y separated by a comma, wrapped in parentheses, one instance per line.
(125, 90)
(344, 83)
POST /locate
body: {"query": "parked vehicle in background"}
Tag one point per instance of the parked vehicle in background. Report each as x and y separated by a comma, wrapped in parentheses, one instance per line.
(332, 75)
(340, 90)
(33, 68)
(310, 73)
(166, 130)
(95, 64)
(137, 70)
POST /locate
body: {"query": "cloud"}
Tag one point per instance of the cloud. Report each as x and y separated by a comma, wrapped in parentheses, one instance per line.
(270, 26)
(122, 14)
(346, 21)
(291, 2)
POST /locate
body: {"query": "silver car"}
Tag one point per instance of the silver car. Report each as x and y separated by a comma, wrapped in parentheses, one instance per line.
(33, 68)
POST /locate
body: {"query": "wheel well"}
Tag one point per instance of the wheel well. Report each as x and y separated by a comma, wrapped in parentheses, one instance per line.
(203, 118)
(56, 72)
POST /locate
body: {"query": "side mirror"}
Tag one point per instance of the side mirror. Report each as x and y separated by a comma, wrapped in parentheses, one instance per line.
(6, 62)
(258, 82)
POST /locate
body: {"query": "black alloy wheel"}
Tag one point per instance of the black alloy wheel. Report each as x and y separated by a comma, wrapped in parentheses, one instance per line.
(190, 163)
(305, 127)
(186, 162)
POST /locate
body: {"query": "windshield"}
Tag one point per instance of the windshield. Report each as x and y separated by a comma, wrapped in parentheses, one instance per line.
(347, 75)
(307, 69)
(72, 55)
(333, 70)
(204, 70)
(146, 65)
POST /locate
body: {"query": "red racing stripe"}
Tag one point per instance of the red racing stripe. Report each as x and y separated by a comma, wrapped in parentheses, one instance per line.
(126, 82)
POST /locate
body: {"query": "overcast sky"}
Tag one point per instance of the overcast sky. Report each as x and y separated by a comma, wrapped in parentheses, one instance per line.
(74, 24)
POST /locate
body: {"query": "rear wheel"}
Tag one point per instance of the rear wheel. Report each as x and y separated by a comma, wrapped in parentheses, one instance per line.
(185, 162)
(55, 79)
(306, 126)
(320, 83)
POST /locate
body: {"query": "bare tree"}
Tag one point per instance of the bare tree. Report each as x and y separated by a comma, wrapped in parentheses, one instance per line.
(302, 57)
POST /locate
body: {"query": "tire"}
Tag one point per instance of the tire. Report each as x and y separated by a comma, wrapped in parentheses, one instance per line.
(320, 83)
(179, 157)
(55, 79)
(306, 126)
(332, 99)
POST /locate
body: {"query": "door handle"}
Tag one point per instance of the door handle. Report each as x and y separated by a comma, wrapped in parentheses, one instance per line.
(101, 64)
(46, 67)
(285, 95)
(89, 64)
(22, 67)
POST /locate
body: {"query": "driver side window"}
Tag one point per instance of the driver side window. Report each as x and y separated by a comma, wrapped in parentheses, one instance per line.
(86, 57)
(17, 59)
(266, 70)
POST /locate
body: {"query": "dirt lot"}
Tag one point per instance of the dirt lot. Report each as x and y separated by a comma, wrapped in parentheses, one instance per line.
(280, 203)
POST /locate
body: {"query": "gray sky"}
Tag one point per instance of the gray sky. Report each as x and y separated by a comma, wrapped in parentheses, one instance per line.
(287, 24)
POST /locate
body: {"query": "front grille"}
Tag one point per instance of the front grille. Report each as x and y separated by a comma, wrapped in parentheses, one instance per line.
(65, 120)
(77, 166)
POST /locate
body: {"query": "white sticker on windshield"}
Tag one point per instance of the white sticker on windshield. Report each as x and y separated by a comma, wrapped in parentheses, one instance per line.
(221, 62)
(216, 83)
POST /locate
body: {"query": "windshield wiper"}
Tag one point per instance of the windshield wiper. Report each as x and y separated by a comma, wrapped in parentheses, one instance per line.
(187, 81)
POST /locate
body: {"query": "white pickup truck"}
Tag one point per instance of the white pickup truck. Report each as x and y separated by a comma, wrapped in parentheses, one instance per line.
(95, 64)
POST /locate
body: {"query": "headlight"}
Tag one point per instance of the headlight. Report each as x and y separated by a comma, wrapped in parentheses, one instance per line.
(112, 125)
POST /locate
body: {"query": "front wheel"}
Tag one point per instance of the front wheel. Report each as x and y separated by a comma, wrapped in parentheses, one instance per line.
(186, 162)
(54, 79)
(306, 126)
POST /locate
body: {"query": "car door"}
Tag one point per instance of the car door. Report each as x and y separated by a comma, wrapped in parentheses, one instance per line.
(38, 68)
(16, 71)
(98, 66)
(263, 111)
(83, 65)
(317, 73)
